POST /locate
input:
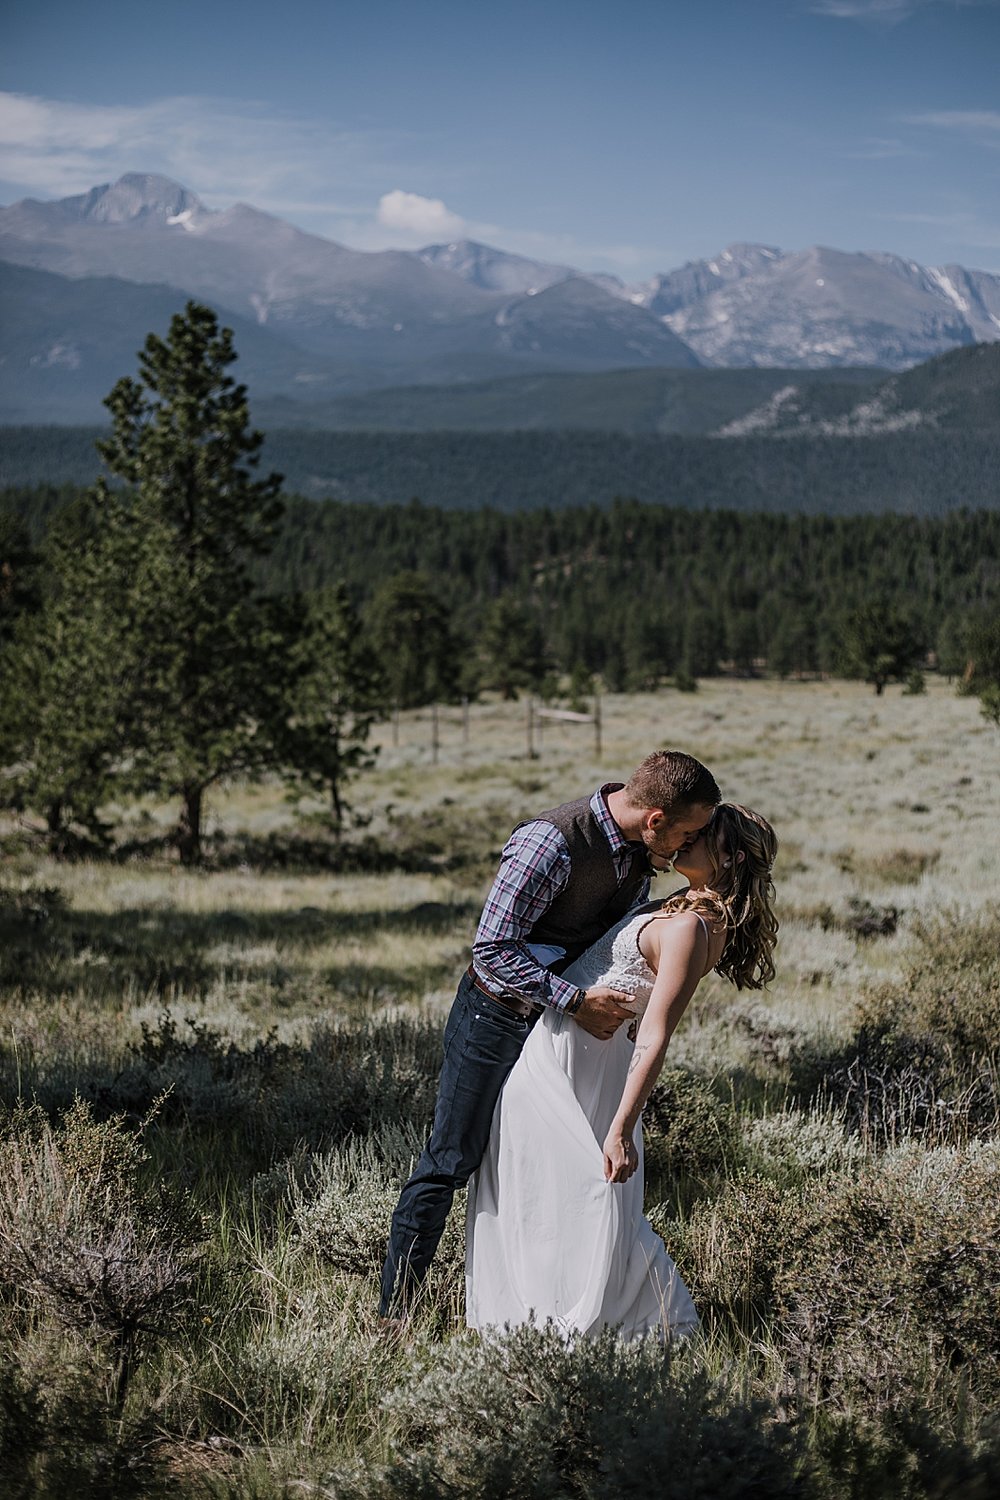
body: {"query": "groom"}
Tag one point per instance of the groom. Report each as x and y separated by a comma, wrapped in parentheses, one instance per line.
(565, 877)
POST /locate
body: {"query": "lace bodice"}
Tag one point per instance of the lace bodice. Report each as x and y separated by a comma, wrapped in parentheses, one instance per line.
(615, 960)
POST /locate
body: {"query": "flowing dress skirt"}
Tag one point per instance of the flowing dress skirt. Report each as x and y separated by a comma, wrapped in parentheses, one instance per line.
(548, 1238)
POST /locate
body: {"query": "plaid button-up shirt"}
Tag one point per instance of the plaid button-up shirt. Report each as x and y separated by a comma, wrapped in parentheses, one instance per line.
(534, 869)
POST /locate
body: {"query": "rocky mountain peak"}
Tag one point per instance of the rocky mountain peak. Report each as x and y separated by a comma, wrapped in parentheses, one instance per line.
(139, 195)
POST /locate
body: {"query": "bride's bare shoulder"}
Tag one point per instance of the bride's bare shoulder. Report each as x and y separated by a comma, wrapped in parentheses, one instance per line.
(676, 925)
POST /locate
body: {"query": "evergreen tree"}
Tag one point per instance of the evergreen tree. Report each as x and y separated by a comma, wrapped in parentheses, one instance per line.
(952, 645)
(704, 642)
(72, 669)
(20, 592)
(513, 648)
(881, 644)
(334, 697)
(214, 648)
(792, 646)
(983, 653)
(410, 628)
(742, 643)
(982, 673)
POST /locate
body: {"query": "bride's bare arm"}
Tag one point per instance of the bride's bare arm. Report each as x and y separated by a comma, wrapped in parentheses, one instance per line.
(680, 963)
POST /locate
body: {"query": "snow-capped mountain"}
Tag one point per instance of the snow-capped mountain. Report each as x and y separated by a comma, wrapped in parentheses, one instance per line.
(493, 270)
(826, 307)
(338, 320)
(389, 314)
(758, 305)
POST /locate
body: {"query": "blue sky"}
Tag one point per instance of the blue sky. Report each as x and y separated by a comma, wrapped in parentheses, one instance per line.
(629, 137)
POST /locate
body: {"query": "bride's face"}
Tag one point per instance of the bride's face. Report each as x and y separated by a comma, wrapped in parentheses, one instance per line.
(696, 864)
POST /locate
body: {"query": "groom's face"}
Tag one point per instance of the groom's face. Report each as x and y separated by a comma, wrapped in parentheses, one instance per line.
(664, 835)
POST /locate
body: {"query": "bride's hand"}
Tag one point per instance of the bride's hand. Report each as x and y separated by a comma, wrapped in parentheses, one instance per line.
(621, 1158)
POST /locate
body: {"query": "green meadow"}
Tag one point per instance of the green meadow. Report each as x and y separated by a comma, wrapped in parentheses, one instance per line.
(214, 1080)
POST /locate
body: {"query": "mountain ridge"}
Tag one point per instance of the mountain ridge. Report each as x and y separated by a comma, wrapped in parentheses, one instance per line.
(461, 313)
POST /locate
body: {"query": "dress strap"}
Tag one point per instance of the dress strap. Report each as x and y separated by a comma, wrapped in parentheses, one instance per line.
(653, 916)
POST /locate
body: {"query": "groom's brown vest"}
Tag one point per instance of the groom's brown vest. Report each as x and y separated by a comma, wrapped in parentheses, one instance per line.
(593, 900)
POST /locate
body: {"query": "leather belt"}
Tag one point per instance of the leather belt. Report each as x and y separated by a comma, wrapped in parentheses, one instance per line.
(522, 1008)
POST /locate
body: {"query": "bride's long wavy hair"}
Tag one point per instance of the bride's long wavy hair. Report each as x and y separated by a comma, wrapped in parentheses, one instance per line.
(742, 846)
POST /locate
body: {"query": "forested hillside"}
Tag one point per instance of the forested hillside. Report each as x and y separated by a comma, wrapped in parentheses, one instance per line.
(921, 473)
(639, 592)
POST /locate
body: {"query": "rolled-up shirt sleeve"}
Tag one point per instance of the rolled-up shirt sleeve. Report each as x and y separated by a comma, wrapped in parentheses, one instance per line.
(534, 870)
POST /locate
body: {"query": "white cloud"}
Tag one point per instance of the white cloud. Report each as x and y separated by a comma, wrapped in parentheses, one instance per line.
(878, 148)
(980, 126)
(423, 218)
(324, 179)
(222, 149)
(958, 119)
(884, 12)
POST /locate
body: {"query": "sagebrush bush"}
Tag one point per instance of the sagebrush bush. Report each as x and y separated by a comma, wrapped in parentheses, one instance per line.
(791, 1145)
(305, 1373)
(731, 1248)
(870, 1282)
(688, 1130)
(895, 1274)
(267, 1097)
(949, 997)
(526, 1417)
(344, 1200)
(925, 1057)
(61, 1432)
(84, 1239)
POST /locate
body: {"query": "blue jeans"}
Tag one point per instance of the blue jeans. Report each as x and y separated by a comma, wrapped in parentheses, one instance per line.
(482, 1042)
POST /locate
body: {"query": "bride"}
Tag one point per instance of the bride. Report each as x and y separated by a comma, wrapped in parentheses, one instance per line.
(555, 1223)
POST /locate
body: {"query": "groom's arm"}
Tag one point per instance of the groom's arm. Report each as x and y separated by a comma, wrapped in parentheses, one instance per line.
(534, 869)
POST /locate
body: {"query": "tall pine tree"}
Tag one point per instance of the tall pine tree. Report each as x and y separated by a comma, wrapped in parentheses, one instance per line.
(214, 648)
(335, 694)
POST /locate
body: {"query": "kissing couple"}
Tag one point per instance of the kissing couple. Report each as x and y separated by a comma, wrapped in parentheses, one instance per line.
(556, 1037)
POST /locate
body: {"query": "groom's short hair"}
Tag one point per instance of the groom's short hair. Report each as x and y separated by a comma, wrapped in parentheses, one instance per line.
(670, 780)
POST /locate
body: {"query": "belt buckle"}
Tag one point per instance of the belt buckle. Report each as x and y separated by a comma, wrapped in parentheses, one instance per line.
(522, 1008)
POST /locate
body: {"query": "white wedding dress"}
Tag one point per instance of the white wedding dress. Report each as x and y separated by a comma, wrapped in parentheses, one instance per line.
(547, 1237)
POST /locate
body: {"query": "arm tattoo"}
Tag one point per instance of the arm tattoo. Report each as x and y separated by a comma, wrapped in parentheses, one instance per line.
(637, 1056)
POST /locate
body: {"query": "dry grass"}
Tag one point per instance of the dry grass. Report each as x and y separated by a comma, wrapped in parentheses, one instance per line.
(298, 1055)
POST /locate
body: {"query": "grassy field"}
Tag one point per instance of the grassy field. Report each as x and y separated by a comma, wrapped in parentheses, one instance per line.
(189, 1254)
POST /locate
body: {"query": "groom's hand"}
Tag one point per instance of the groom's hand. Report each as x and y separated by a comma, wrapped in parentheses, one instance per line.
(603, 1010)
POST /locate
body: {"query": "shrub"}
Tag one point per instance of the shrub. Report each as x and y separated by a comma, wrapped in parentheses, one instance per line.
(524, 1416)
(731, 1249)
(865, 920)
(925, 1059)
(950, 995)
(303, 1372)
(83, 1239)
(897, 1274)
(59, 1434)
(270, 1096)
(687, 1129)
(792, 1146)
(343, 1206)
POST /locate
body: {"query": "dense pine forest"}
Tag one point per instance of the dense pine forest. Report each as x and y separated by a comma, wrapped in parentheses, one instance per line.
(633, 592)
(923, 472)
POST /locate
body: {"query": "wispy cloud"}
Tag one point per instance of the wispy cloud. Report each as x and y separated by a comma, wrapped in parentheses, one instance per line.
(982, 126)
(335, 182)
(964, 230)
(222, 149)
(885, 12)
(879, 148)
